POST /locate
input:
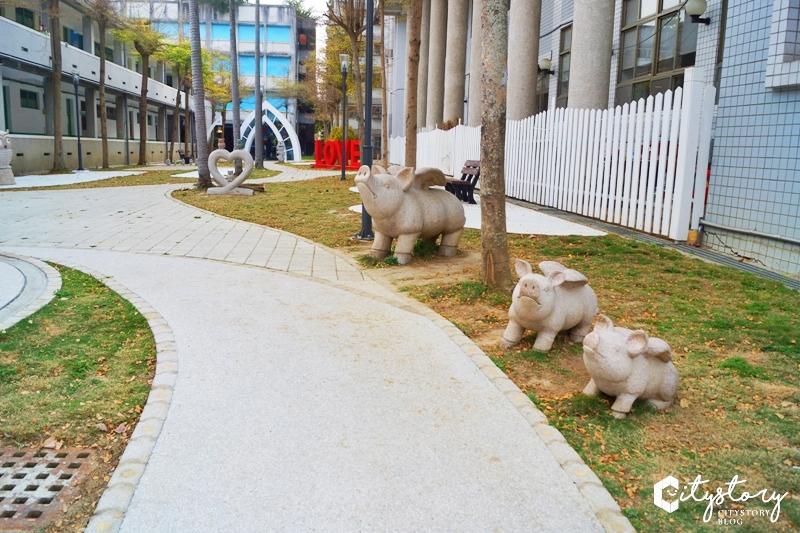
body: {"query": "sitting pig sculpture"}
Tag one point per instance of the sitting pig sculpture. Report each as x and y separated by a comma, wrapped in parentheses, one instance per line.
(558, 301)
(628, 365)
(403, 207)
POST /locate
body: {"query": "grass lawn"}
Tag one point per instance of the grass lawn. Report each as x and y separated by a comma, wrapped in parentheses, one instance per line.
(150, 177)
(86, 358)
(734, 338)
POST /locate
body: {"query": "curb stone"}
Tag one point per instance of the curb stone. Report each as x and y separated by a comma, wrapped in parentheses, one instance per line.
(53, 286)
(116, 498)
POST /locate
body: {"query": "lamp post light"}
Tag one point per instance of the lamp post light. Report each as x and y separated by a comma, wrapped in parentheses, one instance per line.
(545, 66)
(366, 233)
(76, 78)
(695, 8)
(345, 60)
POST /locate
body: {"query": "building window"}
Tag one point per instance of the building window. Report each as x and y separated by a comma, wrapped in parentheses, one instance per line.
(657, 44)
(24, 17)
(149, 120)
(564, 67)
(111, 113)
(29, 99)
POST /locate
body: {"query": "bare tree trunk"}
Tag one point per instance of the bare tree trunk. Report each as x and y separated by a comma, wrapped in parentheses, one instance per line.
(384, 92)
(143, 109)
(359, 87)
(204, 176)
(101, 22)
(494, 240)
(55, 52)
(176, 119)
(412, 67)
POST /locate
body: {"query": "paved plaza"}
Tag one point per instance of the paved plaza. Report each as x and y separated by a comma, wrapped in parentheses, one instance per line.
(295, 393)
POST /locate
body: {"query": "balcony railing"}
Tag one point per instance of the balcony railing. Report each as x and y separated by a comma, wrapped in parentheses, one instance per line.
(32, 48)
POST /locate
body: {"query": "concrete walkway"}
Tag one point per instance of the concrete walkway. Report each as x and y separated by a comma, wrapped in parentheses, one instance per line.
(292, 393)
(50, 180)
(299, 173)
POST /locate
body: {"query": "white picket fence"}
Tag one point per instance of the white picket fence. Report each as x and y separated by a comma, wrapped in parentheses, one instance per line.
(640, 165)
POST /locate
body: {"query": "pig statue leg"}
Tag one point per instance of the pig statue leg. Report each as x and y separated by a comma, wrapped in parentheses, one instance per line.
(512, 335)
(381, 246)
(544, 341)
(591, 389)
(577, 333)
(404, 250)
(622, 405)
(449, 246)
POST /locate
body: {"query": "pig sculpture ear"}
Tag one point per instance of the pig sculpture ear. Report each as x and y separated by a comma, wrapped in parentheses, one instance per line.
(523, 268)
(603, 323)
(377, 169)
(406, 177)
(636, 343)
(556, 278)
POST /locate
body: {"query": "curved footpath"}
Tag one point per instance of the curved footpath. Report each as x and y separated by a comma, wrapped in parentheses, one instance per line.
(309, 399)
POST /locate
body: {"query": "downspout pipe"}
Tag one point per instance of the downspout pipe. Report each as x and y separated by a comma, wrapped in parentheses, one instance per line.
(752, 233)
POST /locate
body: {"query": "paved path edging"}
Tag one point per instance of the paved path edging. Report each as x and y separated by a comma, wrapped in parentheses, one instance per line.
(53, 286)
(116, 498)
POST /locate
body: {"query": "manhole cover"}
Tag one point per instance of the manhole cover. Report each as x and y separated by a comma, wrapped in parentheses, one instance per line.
(35, 483)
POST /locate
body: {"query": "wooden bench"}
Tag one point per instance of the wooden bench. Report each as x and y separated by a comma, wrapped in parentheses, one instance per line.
(464, 187)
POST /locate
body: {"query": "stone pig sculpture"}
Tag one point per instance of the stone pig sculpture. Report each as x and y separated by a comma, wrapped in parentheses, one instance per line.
(403, 207)
(628, 365)
(558, 301)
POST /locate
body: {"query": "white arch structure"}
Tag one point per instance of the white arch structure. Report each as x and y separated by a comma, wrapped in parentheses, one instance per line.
(280, 126)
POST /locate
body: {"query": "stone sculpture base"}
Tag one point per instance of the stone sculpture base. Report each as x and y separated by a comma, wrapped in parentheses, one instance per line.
(237, 191)
(7, 177)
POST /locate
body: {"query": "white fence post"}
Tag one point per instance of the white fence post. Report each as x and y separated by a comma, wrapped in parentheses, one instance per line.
(687, 152)
(699, 203)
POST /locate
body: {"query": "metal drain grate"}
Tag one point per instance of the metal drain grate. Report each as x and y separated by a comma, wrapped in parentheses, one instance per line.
(34, 484)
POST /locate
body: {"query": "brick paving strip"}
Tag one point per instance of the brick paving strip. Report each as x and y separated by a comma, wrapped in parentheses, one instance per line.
(311, 398)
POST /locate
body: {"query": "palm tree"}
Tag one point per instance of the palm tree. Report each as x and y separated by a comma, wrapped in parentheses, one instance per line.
(179, 56)
(147, 42)
(203, 174)
(104, 13)
(55, 52)
(234, 61)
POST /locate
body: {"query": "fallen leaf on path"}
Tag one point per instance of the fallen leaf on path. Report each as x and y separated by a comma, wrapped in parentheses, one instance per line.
(122, 428)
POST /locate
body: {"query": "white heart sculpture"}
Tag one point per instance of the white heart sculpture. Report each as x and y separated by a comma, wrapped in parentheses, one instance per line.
(226, 187)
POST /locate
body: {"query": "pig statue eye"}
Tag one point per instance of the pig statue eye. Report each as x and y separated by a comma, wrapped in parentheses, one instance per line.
(388, 186)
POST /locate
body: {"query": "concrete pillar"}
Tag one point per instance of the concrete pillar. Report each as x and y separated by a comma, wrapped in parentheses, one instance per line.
(523, 57)
(162, 119)
(475, 108)
(91, 113)
(121, 118)
(422, 75)
(3, 125)
(88, 35)
(436, 62)
(456, 59)
(119, 55)
(590, 72)
(49, 128)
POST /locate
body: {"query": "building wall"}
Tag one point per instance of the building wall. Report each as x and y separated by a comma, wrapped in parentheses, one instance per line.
(397, 94)
(755, 178)
(34, 153)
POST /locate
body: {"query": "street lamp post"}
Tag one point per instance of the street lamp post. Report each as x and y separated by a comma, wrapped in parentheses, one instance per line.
(345, 59)
(366, 233)
(76, 78)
